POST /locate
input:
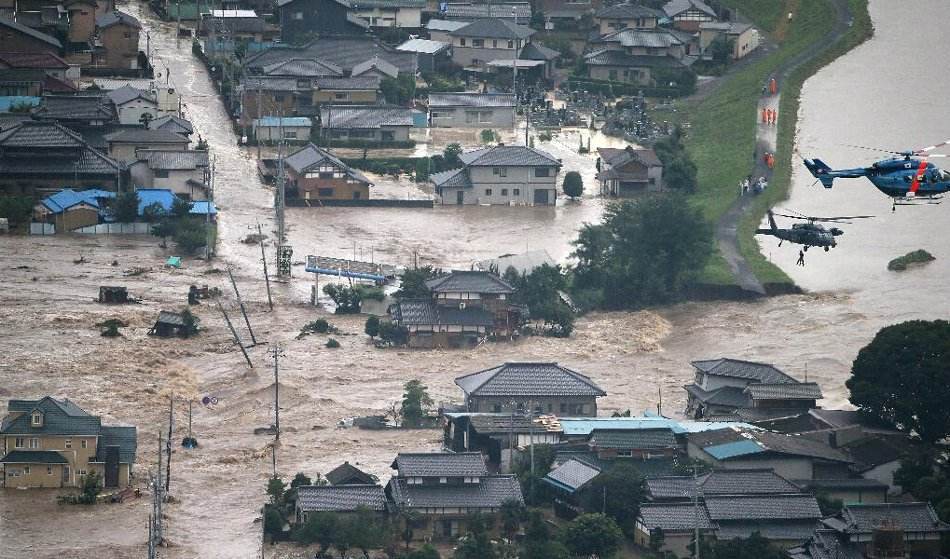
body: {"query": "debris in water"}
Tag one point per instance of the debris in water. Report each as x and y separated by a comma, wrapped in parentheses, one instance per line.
(919, 256)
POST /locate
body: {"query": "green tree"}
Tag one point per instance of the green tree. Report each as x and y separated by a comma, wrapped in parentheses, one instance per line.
(720, 49)
(424, 552)
(901, 378)
(146, 119)
(91, 487)
(476, 544)
(753, 547)
(368, 531)
(593, 534)
(164, 229)
(17, 209)
(125, 207)
(680, 174)
(617, 492)
(646, 251)
(573, 185)
(190, 234)
(371, 328)
(392, 334)
(657, 539)
(489, 136)
(412, 283)
(346, 299)
(275, 489)
(320, 528)
(273, 521)
(539, 541)
(512, 514)
(398, 91)
(415, 403)
(451, 154)
(180, 207)
(153, 212)
(300, 479)
(540, 291)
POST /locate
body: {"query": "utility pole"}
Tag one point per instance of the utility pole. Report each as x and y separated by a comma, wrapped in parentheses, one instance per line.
(168, 443)
(260, 235)
(241, 304)
(276, 352)
(234, 333)
(695, 511)
(208, 248)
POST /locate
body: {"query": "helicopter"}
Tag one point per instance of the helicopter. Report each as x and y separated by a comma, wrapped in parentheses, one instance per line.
(909, 179)
(811, 233)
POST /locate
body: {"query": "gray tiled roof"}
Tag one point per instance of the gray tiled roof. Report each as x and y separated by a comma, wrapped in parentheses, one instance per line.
(528, 379)
(370, 82)
(174, 124)
(455, 178)
(785, 391)
(361, 4)
(676, 7)
(469, 282)
(127, 93)
(169, 317)
(750, 370)
(617, 157)
(606, 57)
(783, 530)
(722, 482)
(633, 439)
(466, 99)
(123, 437)
(508, 155)
(873, 451)
(494, 28)
(440, 464)
(912, 517)
(674, 516)
(763, 507)
(627, 10)
(172, 160)
(731, 396)
(311, 156)
(537, 51)
(44, 134)
(338, 498)
(844, 484)
(424, 312)
(471, 12)
(20, 28)
(765, 442)
(114, 17)
(641, 38)
(343, 51)
(59, 418)
(375, 63)
(146, 135)
(502, 423)
(33, 457)
(75, 107)
(572, 475)
(346, 472)
(40, 134)
(303, 68)
(490, 493)
(364, 116)
(444, 25)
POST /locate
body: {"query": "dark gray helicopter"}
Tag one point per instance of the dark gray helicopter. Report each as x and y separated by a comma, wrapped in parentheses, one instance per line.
(811, 233)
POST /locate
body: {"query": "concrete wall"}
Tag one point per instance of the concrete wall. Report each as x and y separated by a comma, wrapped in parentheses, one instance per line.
(885, 474)
(131, 112)
(121, 43)
(460, 117)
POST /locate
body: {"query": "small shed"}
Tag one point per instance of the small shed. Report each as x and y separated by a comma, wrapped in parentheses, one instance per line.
(168, 324)
(432, 55)
(113, 294)
(290, 129)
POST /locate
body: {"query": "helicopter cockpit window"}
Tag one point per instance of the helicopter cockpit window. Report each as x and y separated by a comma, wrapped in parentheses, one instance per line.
(943, 175)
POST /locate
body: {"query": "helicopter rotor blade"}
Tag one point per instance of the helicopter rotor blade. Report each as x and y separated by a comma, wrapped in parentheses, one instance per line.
(876, 149)
(931, 148)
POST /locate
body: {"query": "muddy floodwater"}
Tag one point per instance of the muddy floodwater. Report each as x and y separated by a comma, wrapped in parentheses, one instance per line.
(50, 344)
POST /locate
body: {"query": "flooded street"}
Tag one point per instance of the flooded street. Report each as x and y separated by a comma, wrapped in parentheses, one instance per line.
(52, 346)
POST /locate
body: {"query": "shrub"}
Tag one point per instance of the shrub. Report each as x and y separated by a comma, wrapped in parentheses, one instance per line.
(320, 326)
(573, 185)
(348, 300)
(490, 136)
(332, 343)
(372, 326)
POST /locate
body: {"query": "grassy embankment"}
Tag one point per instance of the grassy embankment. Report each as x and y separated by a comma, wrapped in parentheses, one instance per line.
(722, 135)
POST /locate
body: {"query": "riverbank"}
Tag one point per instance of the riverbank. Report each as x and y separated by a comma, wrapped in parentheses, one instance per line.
(722, 135)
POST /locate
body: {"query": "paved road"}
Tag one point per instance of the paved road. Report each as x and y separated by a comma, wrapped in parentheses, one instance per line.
(727, 237)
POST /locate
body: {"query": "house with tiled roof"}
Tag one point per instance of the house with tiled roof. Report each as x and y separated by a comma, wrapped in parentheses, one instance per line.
(628, 171)
(55, 443)
(637, 56)
(338, 499)
(186, 173)
(303, 19)
(746, 390)
(501, 175)
(48, 62)
(17, 37)
(348, 474)
(471, 110)
(366, 123)
(485, 40)
(760, 481)
(541, 387)
(444, 489)
(38, 157)
(677, 522)
(518, 13)
(131, 104)
(315, 174)
(626, 15)
(390, 13)
(116, 43)
(124, 142)
(688, 15)
(84, 109)
(175, 124)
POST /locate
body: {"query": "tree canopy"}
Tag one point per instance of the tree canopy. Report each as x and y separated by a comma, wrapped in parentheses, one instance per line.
(901, 377)
(593, 534)
(415, 403)
(573, 185)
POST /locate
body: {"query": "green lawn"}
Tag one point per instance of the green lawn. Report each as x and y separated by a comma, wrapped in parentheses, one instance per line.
(722, 134)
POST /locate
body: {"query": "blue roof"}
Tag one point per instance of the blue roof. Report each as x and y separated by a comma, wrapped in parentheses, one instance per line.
(7, 101)
(160, 196)
(287, 121)
(733, 449)
(585, 425)
(203, 207)
(67, 198)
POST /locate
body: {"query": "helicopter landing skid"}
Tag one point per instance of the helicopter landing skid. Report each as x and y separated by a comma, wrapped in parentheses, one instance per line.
(917, 201)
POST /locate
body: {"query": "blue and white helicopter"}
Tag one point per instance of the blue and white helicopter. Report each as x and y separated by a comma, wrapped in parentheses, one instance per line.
(908, 179)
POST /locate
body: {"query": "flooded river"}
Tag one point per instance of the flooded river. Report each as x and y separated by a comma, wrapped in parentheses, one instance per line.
(47, 319)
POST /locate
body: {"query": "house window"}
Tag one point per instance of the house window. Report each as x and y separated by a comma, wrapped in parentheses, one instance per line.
(494, 43)
(69, 443)
(500, 171)
(290, 135)
(511, 44)
(26, 470)
(161, 173)
(36, 420)
(625, 453)
(496, 408)
(487, 192)
(325, 175)
(478, 43)
(82, 443)
(516, 192)
(34, 443)
(414, 481)
(18, 443)
(326, 192)
(504, 192)
(542, 172)
(340, 96)
(563, 408)
(462, 42)
(127, 35)
(49, 470)
(81, 473)
(443, 480)
(298, 15)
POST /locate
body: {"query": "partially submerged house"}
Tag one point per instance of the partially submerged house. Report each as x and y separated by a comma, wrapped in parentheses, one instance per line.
(133, 104)
(168, 324)
(69, 209)
(501, 175)
(340, 499)
(290, 129)
(186, 173)
(628, 171)
(348, 474)
(539, 387)
(315, 174)
(743, 36)
(471, 110)
(55, 443)
(678, 522)
(366, 123)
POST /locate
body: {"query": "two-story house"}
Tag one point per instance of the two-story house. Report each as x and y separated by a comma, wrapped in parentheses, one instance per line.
(187, 174)
(302, 20)
(444, 489)
(124, 143)
(16, 37)
(471, 110)
(117, 41)
(626, 15)
(628, 171)
(132, 104)
(486, 40)
(390, 13)
(637, 55)
(545, 388)
(687, 15)
(506, 175)
(367, 123)
(55, 443)
(465, 308)
(731, 388)
(314, 174)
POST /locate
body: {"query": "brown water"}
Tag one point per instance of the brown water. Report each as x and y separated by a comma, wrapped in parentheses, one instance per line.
(50, 344)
